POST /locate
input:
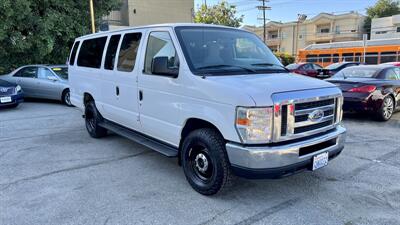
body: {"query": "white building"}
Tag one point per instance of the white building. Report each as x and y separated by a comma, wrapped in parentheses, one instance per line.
(385, 27)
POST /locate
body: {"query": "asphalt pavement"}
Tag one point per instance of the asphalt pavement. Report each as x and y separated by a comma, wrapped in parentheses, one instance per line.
(52, 172)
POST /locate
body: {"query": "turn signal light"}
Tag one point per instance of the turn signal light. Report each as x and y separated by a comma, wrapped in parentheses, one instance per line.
(364, 89)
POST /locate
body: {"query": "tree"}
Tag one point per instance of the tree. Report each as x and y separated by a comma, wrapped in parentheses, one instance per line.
(42, 31)
(381, 9)
(221, 14)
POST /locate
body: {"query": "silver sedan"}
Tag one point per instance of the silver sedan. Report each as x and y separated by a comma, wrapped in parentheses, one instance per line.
(42, 81)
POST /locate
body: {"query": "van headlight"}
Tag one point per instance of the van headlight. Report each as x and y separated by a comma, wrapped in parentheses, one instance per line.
(18, 89)
(254, 125)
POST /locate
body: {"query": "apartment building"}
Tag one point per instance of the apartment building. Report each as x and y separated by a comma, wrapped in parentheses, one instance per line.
(385, 27)
(324, 28)
(145, 12)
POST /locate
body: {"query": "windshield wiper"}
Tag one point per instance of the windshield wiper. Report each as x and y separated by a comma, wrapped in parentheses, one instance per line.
(270, 65)
(226, 65)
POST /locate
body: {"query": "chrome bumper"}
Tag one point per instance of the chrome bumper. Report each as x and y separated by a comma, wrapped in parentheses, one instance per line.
(281, 156)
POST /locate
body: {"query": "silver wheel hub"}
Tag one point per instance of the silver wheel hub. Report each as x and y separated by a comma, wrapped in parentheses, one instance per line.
(387, 107)
(201, 162)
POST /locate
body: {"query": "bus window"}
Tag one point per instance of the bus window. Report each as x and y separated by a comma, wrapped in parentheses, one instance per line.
(371, 58)
(388, 57)
(312, 58)
(324, 58)
(357, 57)
(335, 58)
(348, 57)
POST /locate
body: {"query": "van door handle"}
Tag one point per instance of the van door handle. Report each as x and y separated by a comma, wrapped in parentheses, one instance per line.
(140, 95)
(117, 90)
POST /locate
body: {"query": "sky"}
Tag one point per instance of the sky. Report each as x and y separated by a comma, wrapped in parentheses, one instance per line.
(287, 10)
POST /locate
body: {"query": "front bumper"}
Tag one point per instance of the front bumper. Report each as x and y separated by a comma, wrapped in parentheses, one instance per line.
(274, 161)
(15, 99)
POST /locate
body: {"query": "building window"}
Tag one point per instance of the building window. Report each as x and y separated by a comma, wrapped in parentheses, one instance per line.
(398, 29)
(381, 32)
(337, 29)
(300, 36)
(324, 30)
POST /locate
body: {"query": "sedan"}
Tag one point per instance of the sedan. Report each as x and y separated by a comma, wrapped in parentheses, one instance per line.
(10, 94)
(42, 81)
(374, 89)
(308, 69)
(334, 68)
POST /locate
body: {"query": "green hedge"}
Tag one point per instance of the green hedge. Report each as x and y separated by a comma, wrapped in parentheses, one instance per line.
(285, 58)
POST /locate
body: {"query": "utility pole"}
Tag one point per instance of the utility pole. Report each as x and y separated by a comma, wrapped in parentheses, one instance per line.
(92, 15)
(263, 8)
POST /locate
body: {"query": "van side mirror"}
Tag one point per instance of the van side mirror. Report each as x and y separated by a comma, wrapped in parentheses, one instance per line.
(159, 66)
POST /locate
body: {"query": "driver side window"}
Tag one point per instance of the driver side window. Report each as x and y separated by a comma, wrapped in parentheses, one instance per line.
(45, 74)
(160, 45)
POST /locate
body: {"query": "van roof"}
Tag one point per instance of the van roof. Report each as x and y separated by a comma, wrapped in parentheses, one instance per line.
(173, 25)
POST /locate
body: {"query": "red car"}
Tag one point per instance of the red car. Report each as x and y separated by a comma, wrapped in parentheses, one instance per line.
(393, 63)
(308, 69)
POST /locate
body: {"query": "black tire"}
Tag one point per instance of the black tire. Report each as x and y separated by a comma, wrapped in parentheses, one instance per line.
(92, 120)
(386, 110)
(66, 98)
(205, 162)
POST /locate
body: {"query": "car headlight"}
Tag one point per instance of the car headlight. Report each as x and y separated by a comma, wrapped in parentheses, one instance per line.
(18, 89)
(254, 125)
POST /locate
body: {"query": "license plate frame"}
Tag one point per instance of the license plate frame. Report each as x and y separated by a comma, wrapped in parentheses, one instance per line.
(6, 99)
(320, 160)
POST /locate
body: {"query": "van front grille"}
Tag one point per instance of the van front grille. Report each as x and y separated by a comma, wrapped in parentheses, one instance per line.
(301, 118)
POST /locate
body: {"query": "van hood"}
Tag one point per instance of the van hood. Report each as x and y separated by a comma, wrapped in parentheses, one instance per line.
(261, 87)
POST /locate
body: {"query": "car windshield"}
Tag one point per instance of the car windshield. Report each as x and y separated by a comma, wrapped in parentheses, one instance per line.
(292, 66)
(333, 66)
(360, 72)
(225, 51)
(61, 72)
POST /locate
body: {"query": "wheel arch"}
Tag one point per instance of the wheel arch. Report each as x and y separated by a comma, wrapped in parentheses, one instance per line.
(192, 124)
(87, 97)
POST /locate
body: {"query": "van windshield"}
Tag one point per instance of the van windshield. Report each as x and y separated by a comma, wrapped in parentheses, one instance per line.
(225, 51)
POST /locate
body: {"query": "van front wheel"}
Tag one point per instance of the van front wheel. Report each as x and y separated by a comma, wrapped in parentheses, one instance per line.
(92, 120)
(205, 162)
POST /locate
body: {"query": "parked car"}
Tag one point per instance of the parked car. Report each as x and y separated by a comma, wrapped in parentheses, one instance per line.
(10, 94)
(392, 63)
(42, 81)
(334, 68)
(215, 97)
(308, 69)
(374, 89)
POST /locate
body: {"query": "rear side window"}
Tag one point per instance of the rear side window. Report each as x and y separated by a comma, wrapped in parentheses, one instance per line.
(128, 52)
(73, 53)
(91, 52)
(111, 52)
(28, 72)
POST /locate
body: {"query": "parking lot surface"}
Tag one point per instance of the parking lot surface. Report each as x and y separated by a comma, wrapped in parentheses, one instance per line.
(52, 172)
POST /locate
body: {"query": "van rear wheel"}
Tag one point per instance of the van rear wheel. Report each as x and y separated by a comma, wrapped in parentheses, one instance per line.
(205, 162)
(92, 120)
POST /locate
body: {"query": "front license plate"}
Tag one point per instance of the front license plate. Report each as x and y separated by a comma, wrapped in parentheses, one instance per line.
(5, 99)
(321, 73)
(320, 160)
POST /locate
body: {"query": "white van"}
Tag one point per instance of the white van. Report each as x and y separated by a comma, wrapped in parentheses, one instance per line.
(214, 97)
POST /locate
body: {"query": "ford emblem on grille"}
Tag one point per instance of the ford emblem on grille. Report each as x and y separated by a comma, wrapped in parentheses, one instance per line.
(3, 90)
(316, 115)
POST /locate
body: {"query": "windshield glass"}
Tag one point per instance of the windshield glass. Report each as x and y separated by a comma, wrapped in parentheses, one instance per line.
(224, 51)
(61, 72)
(292, 66)
(333, 66)
(360, 72)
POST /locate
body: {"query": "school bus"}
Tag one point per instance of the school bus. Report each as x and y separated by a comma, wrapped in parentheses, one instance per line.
(374, 52)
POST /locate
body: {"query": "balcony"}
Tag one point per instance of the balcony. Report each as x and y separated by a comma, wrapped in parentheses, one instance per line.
(334, 36)
(273, 41)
